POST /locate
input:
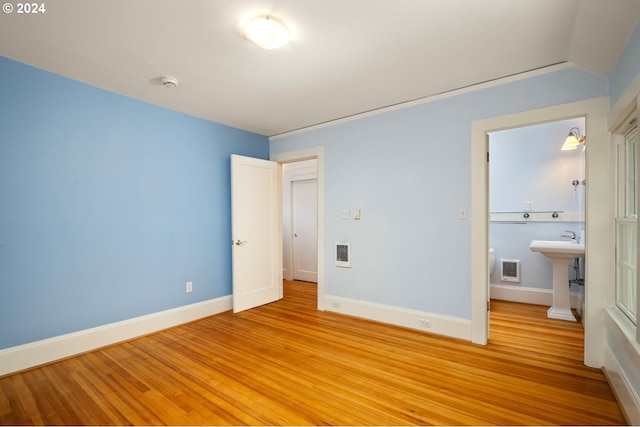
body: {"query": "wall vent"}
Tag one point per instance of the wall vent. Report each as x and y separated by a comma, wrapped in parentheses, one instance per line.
(510, 270)
(343, 255)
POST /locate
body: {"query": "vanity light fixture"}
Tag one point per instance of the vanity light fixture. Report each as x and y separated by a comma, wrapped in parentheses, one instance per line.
(267, 31)
(573, 140)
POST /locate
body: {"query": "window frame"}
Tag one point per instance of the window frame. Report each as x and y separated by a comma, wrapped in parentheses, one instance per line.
(619, 137)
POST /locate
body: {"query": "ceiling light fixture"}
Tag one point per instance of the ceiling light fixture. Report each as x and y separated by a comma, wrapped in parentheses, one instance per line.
(267, 31)
(573, 140)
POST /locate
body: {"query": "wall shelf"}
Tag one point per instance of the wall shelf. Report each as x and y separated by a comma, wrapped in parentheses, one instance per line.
(522, 217)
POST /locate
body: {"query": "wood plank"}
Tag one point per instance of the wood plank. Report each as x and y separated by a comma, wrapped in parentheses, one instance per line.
(286, 363)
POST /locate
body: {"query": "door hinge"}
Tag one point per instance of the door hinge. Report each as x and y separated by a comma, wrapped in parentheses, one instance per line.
(487, 157)
(488, 305)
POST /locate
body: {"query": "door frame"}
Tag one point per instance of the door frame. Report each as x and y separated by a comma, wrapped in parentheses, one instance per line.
(598, 197)
(306, 154)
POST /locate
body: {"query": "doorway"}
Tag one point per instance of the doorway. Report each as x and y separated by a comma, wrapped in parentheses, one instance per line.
(536, 192)
(300, 220)
(599, 268)
(316, 153)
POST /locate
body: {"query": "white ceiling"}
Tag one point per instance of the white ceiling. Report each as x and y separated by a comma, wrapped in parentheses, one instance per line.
(346, 56)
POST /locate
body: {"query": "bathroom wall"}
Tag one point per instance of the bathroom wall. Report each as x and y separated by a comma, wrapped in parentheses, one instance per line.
(527, 165)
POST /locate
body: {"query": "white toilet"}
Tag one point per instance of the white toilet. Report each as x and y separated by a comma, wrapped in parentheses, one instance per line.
(492, 259)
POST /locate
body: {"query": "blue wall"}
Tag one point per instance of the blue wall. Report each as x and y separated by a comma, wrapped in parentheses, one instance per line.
(409, 171)
(626, 68)
(108, 205)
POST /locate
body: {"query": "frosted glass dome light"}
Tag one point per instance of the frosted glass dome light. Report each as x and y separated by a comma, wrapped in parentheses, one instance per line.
(268, 32)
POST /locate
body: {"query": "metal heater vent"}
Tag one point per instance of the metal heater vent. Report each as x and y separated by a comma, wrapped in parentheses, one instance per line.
(510, 270)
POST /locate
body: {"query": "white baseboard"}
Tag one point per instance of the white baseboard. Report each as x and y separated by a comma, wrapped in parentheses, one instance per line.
(527, 295)
(619, 382)
(414, 319)
(26, 356)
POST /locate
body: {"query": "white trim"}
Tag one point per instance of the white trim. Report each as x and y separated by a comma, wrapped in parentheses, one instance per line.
(599, 265)
(432, 98)
(622, 332)
(311, 153)
(479, 231)
(621, 386)
(528, 295)
(26, 356)
(442, 325)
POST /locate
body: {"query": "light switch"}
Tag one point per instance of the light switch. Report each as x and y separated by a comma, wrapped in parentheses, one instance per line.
(462, 213)
(356, 214)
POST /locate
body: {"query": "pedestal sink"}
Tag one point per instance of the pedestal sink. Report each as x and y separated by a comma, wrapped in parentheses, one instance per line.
(560, 253)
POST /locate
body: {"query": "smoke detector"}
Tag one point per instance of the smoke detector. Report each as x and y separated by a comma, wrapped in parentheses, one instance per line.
(168, 81)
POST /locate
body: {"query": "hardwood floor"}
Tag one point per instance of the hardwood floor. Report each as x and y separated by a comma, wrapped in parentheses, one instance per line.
(287, 364)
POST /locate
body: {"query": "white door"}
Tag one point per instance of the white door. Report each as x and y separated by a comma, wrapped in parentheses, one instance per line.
(255, 232)
(305, 230)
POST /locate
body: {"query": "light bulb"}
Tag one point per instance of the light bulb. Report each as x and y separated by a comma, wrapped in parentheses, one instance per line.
(267, 32)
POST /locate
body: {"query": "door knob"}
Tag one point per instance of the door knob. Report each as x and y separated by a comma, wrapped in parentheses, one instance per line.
(238, 242)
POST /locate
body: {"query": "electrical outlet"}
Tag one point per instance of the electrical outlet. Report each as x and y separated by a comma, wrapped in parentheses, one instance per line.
(189, 286)
(345, 214)
(527, 205)
(424, 323)
(335, 304)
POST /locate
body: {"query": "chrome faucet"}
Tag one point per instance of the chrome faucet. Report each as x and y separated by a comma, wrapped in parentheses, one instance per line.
(572, 235)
